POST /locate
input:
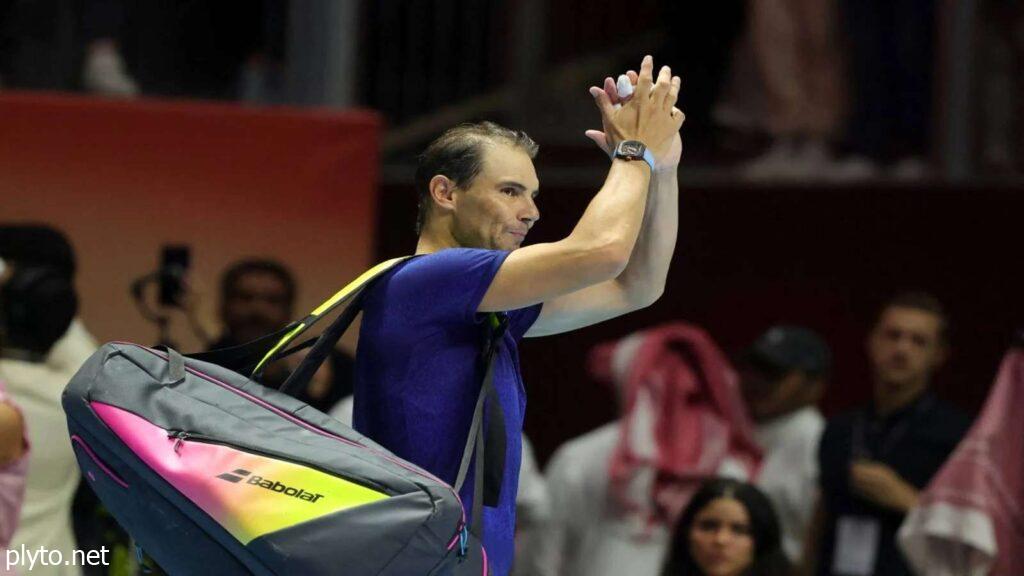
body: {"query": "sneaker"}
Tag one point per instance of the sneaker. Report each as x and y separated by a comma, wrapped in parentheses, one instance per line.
(813, 160)
(104, 73)
(910, 169)
(854, 169)
(778, 162)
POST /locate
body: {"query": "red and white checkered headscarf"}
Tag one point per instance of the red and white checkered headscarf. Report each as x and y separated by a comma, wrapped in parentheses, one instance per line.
(683, 419)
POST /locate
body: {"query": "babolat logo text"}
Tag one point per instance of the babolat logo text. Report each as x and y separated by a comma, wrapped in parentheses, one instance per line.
(236, 476)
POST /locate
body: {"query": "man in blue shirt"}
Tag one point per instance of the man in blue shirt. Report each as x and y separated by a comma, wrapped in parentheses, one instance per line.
(417, 366)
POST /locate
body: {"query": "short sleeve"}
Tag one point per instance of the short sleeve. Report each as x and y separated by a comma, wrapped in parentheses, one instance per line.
(519, 321)
(446, 286)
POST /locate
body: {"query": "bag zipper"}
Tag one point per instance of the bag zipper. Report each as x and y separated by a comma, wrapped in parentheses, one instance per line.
(182, 436)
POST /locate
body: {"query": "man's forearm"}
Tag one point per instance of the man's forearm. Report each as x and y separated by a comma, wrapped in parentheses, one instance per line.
(615, 215)
(645, 275)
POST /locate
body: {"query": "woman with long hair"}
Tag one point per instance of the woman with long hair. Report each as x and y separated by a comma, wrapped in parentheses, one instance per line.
(728, 529)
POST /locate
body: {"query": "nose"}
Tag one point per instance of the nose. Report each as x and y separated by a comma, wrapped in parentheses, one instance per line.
(531, 214)
(723, 536)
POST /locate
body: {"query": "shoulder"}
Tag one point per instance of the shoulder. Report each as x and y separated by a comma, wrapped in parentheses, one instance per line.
(452, 260)
(591, 449)
(442, 286)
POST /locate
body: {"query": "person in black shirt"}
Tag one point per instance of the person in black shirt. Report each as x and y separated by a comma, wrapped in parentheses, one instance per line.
(257, 298)
(875, 460)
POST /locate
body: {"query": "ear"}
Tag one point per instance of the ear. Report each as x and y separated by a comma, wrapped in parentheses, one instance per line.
(442, 192)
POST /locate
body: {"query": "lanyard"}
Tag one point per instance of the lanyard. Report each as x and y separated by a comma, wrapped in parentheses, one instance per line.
(860, 447)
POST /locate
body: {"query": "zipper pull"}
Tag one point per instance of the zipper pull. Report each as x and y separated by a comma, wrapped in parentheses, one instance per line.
(463, 541)
(180, 436)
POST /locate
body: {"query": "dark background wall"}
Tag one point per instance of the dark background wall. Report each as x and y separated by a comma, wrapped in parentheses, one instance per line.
(821, 256)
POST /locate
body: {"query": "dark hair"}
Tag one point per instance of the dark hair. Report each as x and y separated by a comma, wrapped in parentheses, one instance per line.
(257, 266)
(922, 301)
(37, 245)
(459, 155)
(769, 559)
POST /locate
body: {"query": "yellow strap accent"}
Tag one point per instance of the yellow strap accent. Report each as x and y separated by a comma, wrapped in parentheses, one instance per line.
(355, 285)
(329, 305)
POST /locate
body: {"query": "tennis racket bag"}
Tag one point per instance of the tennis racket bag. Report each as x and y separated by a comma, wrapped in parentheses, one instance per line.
(211, 472)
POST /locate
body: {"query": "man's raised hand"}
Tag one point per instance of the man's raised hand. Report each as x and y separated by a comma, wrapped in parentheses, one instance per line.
(649, 115)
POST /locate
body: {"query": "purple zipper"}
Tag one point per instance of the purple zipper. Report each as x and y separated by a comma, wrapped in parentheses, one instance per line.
(309, 426)
(107, 471)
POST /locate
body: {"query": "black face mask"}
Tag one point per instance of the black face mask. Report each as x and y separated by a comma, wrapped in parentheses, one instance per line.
(37, 304)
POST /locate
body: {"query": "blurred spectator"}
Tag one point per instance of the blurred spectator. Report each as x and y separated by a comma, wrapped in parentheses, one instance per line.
(532, 502)
(1001, 66)
(891, 62)
(700, 42)
(616, 491)
(727, 529)
(13, 454)
(874, 460)
(93, 527)
(13, 468)
(257, 298)
(793, 47)
(201, 49)
(783, 376)
(967, 522)
(37, 305)
(55, 45)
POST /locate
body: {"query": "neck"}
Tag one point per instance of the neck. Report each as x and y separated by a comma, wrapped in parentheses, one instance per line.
(435, 239)
(889, 400)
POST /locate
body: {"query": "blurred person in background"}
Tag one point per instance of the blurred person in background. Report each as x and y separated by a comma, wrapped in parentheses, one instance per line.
(701, 37)
(37, 305)
(793, 47)
(211, 50)
(783, 376)
(874, 461)
(616, 491)
(54, 45)
(93, 527)
(967, 521)
(728, 529)
(891, 58)
(13, 452)
(257, 298)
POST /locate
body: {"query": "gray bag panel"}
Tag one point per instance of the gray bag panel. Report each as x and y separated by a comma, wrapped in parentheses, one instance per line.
(199, 406)
(318, 547)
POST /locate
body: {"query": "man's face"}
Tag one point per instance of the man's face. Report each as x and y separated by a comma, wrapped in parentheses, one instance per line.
(257, 305)
(905, 348)
(498, 210)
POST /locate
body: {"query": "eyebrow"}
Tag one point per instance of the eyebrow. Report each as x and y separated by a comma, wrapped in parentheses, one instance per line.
(516, 185)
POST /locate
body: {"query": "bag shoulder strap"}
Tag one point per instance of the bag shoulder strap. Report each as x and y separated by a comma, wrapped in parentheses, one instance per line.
(346, 294)
(486, 447)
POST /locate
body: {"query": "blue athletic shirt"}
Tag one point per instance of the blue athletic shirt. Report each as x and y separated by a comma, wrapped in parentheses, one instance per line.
(417, 375)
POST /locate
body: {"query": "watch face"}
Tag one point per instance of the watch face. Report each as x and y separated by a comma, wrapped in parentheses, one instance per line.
(631, 148)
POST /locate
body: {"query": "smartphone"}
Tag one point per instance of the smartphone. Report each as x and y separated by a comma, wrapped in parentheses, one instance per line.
(174, 264)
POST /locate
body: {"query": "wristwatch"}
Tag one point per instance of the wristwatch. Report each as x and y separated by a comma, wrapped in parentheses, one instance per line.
(634, 150)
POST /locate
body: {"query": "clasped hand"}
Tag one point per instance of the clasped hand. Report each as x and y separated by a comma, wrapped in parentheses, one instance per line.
(648, 115)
